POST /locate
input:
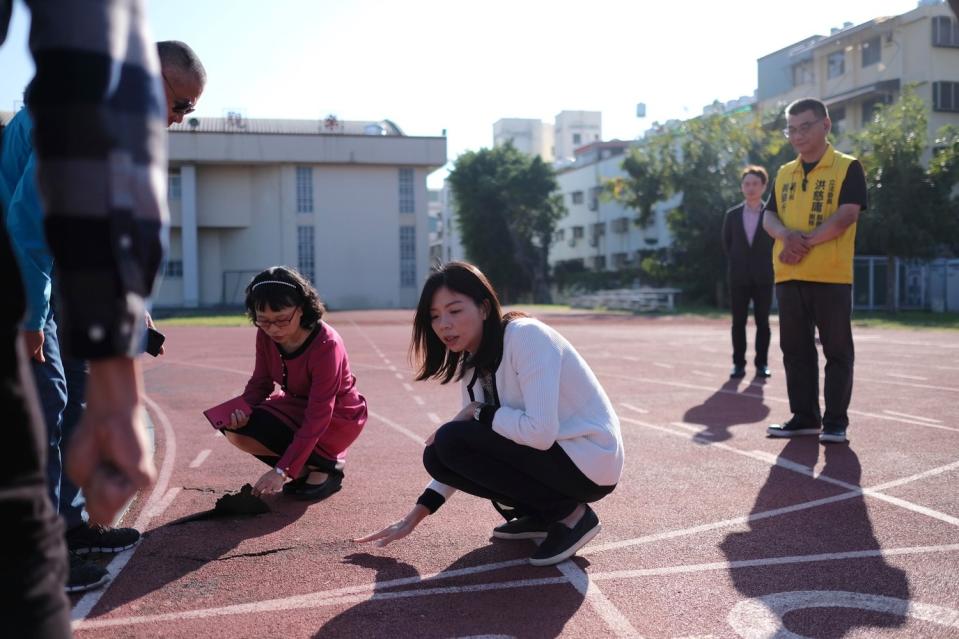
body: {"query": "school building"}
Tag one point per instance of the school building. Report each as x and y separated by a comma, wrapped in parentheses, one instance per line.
(344, 202)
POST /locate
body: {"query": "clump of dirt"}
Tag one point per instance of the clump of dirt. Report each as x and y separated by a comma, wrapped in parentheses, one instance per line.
(241, 504)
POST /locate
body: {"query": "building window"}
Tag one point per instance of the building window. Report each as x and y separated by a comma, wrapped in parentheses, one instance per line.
(173, 268)
(577, 138)
(869, 107)
(407, 204)
(945, 32)
(577, 232)
(599, 262)
(304, 189)
(945, 96)
(305, 253)
(803, 73)
(559, 235)
(837, 116)
(871, 52)
(407, 256)
(174, 190)
(836, 64)
(577, 197)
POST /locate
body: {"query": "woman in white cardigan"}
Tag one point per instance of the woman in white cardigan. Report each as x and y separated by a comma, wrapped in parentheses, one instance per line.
(537, 434)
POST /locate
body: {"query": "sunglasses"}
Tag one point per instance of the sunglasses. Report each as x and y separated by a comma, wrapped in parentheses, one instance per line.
(181, 107)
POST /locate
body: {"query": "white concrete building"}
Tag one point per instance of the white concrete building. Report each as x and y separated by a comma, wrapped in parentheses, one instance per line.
(856, 68)
(602, 235)
(451, 245)
(574, 129)
(529, 136)
(345, 202)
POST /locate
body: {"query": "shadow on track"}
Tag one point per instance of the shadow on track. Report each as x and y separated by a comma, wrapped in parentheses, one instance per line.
(728, 407)
(533, 611)
(838, 527)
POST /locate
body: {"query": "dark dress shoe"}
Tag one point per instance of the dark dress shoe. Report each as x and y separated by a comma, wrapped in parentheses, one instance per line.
(300, 489)
(738, 372)
(763, 371)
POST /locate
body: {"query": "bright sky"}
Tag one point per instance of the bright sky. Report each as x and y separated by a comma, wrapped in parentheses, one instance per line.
(430, 65)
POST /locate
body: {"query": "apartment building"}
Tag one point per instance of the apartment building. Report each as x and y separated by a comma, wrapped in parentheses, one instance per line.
(574, 129)
(598, 233)
(529, 136)
(345, 202)
(856, 68)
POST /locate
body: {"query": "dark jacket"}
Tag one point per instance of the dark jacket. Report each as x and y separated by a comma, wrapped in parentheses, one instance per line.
(748, 264)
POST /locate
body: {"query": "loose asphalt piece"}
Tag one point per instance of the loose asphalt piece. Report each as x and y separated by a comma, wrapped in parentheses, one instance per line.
(231, 505)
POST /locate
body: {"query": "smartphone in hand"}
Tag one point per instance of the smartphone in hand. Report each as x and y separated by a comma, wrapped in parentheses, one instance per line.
(155, 341)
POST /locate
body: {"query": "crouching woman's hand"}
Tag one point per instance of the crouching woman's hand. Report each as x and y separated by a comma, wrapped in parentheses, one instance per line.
(398, 529)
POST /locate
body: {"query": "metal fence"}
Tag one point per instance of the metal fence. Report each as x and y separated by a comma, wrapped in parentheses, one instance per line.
(918, 285)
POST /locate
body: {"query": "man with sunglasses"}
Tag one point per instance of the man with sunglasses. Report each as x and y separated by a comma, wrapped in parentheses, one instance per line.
(61, 380)
(812, 212)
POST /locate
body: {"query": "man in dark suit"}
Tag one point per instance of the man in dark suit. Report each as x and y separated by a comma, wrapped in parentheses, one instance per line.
(749, 251)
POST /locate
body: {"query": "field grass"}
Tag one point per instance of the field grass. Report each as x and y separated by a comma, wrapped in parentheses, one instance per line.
(869, 319)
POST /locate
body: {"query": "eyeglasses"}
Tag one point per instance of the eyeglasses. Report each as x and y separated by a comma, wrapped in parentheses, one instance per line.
(180, 106)
(802, 129)
(283, 322)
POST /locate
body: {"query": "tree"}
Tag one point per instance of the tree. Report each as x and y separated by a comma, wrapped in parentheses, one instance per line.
(910, 214)
(507, 206)
(702, 159)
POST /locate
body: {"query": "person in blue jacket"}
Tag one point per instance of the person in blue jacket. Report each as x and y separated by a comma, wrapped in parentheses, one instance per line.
(60, 379)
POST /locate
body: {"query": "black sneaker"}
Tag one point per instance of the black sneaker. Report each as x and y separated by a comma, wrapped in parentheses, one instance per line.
(833, 434)
(562, 542)
(523, 528)
(792, 428)
(85, 575)
(738, 372)
(85, 539)
(763, 371)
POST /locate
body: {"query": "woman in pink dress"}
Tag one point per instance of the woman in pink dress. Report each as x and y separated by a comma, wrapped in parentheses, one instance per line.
(306, 410)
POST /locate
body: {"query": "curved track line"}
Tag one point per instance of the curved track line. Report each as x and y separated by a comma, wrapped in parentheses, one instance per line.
(149, 510)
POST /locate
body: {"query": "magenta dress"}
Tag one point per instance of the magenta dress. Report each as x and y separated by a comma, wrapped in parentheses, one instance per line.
(316, 398)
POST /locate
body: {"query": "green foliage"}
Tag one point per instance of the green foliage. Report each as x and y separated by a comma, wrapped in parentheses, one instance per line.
(702, 159)
(908, 214)
(507, 206)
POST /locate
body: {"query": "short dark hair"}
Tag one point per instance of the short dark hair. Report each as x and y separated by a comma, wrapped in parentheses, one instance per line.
(179, 56)
(428, 354)
(817, 106)
(754, 169)
(280, 287)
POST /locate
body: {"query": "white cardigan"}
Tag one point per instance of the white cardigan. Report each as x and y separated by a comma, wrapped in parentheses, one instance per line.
(549, 394)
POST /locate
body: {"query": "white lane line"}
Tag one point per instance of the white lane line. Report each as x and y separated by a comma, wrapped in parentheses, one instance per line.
(408, 387)
(771, 561)
(703, 374)
(810, 472)
(633, 408)
(902, 376)
(398, 375)
(600, 603)
(345, 596)
(201, 457)
(908, 416)
(419, 400)
(92, 598)
(393, 368)
(764, 616)
(401, 429)
(164, 503)
(388, 363)
(755, 396)
(950, 389)
(311, 601)
(662, 365)
(434, 418)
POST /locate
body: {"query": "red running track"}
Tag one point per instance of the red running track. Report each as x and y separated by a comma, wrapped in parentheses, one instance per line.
(715, 530)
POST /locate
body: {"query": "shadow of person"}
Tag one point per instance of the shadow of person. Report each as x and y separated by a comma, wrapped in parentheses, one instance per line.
(728, 407)
(514, 601)
(173, 551)
(835, 559)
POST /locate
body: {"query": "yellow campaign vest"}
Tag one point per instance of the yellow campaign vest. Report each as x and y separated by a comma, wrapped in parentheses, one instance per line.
(804, 204)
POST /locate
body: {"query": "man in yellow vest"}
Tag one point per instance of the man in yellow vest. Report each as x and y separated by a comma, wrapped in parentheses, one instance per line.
(812, 213)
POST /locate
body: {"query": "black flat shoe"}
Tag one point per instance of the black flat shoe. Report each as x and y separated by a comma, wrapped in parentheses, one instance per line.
(300, 489)
(738, 372)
